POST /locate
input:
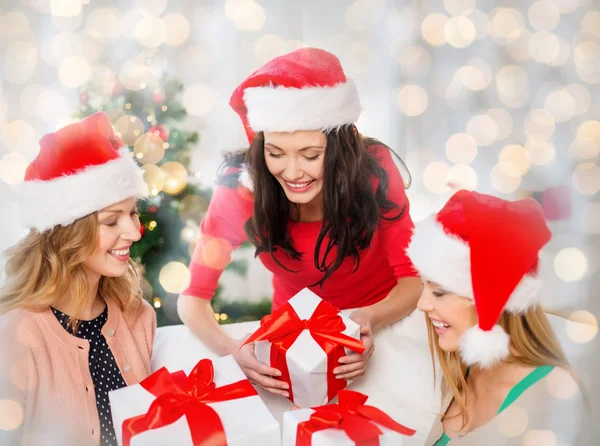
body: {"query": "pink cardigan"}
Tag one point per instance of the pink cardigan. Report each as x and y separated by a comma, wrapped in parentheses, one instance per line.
(46, 390)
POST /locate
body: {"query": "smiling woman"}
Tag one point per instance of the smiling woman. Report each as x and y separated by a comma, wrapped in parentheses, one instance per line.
(73, 325)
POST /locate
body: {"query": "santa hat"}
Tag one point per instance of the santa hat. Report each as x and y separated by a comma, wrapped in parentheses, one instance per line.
(486, 249)
(79, 170)
(302, 90)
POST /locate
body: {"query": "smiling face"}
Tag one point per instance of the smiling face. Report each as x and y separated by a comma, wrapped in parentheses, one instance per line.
(296, 161)
(118, 229)
(450, 314)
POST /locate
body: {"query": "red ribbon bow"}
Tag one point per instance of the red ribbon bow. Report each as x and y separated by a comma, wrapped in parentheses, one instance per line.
(283, 327)
(178, 395)
(353, 417)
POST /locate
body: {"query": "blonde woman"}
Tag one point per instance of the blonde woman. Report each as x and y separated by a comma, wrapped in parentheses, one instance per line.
(73, 325)
(506, 379)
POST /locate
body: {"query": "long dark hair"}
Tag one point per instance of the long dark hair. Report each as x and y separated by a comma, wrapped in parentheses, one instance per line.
(351, 207)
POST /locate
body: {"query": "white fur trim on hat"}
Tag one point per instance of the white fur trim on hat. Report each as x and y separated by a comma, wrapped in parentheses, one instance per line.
(446, 260)
(484, 348)
(61, 201)
(245, 180)
(283, 109)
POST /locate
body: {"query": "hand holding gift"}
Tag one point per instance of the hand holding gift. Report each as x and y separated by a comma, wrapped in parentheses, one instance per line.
(349, 423)
(304, 340)
(354, 365)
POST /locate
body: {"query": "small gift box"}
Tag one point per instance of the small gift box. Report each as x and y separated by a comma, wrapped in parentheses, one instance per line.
(348, 423)
(203, 407)
(304, 339)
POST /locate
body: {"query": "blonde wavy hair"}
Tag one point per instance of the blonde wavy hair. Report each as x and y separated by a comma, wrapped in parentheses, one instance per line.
(532, 342)
(44, 267)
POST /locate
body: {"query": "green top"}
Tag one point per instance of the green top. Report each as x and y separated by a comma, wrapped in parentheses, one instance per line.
(533, 377)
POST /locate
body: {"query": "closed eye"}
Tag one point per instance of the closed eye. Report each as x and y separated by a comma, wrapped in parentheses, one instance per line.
(273, 155)
(312, 158)
(438, 293)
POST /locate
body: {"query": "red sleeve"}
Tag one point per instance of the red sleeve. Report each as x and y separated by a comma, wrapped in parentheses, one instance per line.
(222, 231)
(395, 234)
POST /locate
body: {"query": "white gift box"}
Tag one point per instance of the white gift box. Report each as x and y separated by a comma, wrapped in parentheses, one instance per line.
(332, 436)
(246, 421)
(306, 360)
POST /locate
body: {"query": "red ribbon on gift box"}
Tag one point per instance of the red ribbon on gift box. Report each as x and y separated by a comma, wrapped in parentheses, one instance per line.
(283, 327)
(353, 417)
(178, 395)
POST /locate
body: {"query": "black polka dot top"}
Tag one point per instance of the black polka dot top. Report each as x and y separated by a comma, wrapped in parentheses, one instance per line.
(106, 375)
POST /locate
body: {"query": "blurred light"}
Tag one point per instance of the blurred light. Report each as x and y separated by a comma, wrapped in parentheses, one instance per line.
(104, 24)
(432, 29)
(357, 58)
(587, 61)
(104, 80)
(589, 130)
(51, 106)
(29, 97)
(178, 29)
(502, 182)
(154, 177)
(570, 264)
(540, 438)
(129, 22)
(519, 48)
(481, 22)
(174, 277)
(544, 47)
(134, 76)
(461, 148)
(66, 44)
(13, 167)
(482, 129)
(268, 47)
(75, 71)
(567, 6)
(412, 100)
(434, 177)
(246, 15)
(223, 316)
(514, 160)
(149, 149)
(199, 99)
(513, 86)
(590, 23)
(506, 24)
(11, 415)
(175, 177)
(591, 217)
(151, 7)
(560, 383)
(586, 178)
(582, 97)
(512, 421)
(20, 59)
(503, 120)
(540, 152)
(157, 303)
(460, 32)
(414, 61)
(67, 23)
(214, 252)
(584, 149)
(582, 326)
(543, 15)
(539, 124)
(129, 128)
(459, 7)
(65, 8)
(193, 207)
(359, 16)
(14, 24)
(561, 105)
(564, 54)
(476, 77)
(151, 32)
(420, 207)
(462, 176)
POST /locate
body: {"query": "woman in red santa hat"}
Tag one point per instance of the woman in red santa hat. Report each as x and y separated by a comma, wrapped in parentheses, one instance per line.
(325, 208)
(506, 379)
(73, 325)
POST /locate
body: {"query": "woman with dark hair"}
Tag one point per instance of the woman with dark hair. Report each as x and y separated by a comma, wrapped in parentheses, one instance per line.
(324, 206)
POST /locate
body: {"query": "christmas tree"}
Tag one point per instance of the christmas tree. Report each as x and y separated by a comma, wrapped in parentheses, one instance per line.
(147, 120)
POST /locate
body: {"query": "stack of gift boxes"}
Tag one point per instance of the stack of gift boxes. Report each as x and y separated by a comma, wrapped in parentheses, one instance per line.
(214, 404)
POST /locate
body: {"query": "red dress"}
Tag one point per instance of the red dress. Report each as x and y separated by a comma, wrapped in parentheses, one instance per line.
(381, 265)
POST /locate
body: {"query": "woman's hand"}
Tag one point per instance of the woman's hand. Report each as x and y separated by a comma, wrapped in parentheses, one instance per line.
(259, 373)
(354, 365)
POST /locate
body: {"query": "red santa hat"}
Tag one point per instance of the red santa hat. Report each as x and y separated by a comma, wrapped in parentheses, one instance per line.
(486, 249)
(79, 170)
(302, 90)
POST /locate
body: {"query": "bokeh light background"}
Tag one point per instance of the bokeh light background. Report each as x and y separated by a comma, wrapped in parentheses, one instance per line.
(498, 96)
